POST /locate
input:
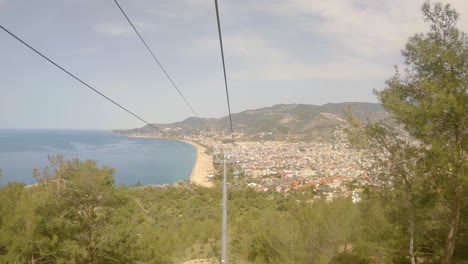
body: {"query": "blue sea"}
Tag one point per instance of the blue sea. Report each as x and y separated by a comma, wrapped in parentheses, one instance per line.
(144, 160)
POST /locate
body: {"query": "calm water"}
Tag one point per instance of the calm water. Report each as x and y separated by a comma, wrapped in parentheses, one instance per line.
(144, 160)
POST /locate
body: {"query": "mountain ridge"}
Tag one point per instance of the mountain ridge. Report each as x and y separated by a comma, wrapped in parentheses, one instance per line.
(277, 122)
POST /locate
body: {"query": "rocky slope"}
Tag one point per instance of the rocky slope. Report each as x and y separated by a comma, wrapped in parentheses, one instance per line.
(279, 122)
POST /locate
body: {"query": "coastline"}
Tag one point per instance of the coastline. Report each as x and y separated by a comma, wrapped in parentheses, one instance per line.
(201, 168)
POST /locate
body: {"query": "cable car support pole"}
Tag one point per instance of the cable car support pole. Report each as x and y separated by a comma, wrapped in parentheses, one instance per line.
(224, 217)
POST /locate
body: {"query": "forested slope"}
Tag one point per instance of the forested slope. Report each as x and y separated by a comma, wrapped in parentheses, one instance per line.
(75, 214)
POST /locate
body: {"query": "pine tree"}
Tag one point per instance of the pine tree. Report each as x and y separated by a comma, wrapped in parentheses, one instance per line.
(430, 100)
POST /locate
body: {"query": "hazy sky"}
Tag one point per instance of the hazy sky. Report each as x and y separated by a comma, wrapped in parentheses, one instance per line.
(277, 51)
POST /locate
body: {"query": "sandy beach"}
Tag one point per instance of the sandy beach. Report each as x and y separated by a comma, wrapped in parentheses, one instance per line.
(202, 168)
(203, 164)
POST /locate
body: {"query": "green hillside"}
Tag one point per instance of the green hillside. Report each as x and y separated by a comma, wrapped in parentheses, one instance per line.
(294, 121)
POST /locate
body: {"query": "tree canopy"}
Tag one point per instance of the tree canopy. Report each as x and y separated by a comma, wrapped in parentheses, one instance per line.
(422, 150)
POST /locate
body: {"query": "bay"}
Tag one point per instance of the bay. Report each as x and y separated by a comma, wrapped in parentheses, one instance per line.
(144, 160)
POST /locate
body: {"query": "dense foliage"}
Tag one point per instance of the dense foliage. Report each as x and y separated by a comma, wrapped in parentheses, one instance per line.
(421, 155)
(76, 214)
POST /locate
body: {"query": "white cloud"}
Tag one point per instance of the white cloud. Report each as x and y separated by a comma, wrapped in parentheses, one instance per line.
(251, 57)
(363, 35)
(116, 29)
(337, 69)
(180, 10)
(244, 46)
(365, 28)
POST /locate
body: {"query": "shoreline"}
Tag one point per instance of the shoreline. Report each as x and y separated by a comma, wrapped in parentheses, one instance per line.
(202, 166)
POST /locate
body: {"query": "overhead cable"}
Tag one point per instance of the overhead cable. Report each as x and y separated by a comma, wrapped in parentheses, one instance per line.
(160, 65)
(224, 238)
(89, 86)
(224, 68)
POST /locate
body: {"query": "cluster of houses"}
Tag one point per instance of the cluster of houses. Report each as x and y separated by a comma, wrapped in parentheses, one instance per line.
(328, 187)
(328, 168)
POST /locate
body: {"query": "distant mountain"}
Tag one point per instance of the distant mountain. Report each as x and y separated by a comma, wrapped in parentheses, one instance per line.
(293, 121)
